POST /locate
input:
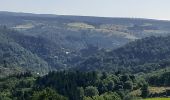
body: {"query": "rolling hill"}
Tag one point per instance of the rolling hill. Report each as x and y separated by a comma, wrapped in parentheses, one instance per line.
(83, 58)
(77, 32)
(14, 56)
(53, 42)
(144, 55)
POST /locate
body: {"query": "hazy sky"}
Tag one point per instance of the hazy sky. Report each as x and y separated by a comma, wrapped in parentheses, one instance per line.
(157, 9)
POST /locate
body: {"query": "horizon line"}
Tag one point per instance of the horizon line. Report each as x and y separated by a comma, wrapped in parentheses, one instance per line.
(76, 15)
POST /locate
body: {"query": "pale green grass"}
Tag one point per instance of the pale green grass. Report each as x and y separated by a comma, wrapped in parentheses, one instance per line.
(152, 90)
(25, 26)
(81, 25)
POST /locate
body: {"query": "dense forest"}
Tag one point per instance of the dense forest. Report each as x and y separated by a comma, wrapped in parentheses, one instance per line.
(76, 85)
(48, 57)
(69, 85)
(145, 55)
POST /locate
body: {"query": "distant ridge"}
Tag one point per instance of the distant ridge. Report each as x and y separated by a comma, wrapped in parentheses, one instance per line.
(72, 16)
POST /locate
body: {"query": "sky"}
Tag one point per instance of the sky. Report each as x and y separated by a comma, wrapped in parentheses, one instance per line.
(152, 9)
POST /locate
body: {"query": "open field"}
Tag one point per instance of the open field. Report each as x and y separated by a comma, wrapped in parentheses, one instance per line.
(152, 90)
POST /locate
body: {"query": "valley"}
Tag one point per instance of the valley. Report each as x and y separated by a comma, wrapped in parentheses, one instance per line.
(59, 57)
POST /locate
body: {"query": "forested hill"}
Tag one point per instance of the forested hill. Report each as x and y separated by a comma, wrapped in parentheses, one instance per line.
(53, 42)
(77, 32)
(15, 58)
(53, 57)
(143, 55)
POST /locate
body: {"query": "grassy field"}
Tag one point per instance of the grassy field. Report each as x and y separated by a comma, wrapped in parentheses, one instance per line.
(157, 99)
(152, 90)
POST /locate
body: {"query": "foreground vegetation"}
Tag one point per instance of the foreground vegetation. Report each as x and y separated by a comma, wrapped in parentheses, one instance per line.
(76, 85)
(157, 99)
(68, 85)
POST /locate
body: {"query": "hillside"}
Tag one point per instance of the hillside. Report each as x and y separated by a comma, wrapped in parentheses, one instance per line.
(57, 57)
(143, 55)
(77, 32)
(14, 56)
(64, 42)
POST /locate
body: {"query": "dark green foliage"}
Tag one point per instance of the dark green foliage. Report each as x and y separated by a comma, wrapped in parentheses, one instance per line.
(162, 79)
(131, 97)
(105, 96)
(13, 55)
(47, 94)
(66, 83)
(80, 93)
(128, 85)
(21, 87)
(143, 55)
(76, 85)
(17, 86)
(91, 91)
(145, 91)
(111, 96)
(168, 92)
